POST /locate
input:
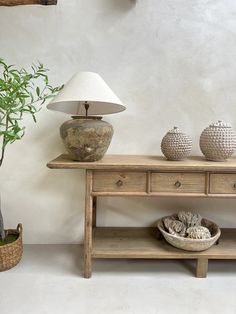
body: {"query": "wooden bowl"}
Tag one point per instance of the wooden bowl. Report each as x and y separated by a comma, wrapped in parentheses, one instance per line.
(188, 244)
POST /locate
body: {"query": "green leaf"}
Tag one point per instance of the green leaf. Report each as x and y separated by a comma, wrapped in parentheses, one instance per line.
(21, 92)
(37, 91)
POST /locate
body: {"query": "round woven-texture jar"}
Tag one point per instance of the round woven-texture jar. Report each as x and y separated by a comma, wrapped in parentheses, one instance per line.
(176, 145)
(11, 254)
(218, 141)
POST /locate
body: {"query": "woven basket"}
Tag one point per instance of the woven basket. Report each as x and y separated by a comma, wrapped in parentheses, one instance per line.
(10, 254)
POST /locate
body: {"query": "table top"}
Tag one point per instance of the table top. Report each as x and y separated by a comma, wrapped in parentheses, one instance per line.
(144, 162)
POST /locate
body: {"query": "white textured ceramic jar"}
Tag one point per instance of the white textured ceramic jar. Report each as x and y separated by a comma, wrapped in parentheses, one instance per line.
(218, 141)
(176, 145)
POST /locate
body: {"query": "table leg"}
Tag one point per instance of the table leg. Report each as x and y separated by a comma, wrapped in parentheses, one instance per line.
(94, 211)
(88, 225)
(202, 267)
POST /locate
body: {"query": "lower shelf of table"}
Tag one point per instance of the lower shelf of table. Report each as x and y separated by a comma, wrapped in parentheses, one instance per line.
(113, 242)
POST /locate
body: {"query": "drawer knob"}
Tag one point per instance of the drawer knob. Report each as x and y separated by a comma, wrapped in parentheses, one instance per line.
(177, 184)
(119, 183)
(235, 185)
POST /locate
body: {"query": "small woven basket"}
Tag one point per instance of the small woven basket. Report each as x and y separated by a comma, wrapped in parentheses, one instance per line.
(10, 254)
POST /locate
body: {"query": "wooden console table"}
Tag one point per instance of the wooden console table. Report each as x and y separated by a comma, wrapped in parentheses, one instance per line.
(127, 175)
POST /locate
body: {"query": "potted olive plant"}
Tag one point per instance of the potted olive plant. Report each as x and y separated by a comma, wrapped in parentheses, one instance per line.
(21, 92)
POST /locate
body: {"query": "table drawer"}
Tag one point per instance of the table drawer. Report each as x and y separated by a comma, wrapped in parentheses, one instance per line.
(178, 182)
(114, 181)
(224, 183)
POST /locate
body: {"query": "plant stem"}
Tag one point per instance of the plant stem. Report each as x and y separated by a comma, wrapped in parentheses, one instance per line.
(2, 232)
(3, 143)
(2, 153)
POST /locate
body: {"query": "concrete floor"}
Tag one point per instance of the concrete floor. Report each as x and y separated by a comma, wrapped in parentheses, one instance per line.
(49, 280)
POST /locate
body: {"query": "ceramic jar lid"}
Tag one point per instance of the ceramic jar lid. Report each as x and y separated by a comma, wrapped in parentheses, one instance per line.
(220, 124)
(175, 130)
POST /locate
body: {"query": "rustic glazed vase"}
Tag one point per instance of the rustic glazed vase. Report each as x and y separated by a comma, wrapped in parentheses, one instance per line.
(218, 141)
(86, 138)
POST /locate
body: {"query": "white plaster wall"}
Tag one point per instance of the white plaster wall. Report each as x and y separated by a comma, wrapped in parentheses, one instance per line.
(172, 62)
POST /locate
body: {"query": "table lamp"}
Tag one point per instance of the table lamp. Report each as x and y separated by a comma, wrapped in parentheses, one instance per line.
(86, 95)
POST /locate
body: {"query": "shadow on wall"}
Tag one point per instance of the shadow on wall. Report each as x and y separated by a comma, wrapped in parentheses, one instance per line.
(121, 5)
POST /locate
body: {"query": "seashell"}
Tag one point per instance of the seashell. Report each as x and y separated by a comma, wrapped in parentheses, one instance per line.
(189, 219)
(198, 232)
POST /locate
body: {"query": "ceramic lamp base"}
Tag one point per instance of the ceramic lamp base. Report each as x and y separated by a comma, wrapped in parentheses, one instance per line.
(86, 138)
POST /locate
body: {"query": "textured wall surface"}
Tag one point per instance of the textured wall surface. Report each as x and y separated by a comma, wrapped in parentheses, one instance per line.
(171, 62)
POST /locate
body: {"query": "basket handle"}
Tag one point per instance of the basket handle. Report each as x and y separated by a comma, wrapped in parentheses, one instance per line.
(19, 228)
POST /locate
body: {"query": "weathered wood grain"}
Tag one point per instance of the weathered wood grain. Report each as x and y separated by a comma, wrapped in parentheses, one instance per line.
(141, 242)
(26, 2)
(88, 225)
(221, 183)
(202, 267)
(132, 175)
(115, 181)
(178, 182)
(147, 162)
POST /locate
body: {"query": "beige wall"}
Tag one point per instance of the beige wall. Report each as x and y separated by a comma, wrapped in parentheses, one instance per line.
(172, 62)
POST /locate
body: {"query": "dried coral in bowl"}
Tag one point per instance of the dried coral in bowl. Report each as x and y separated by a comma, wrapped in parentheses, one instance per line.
(198, 232)
(189, 231)
(189, 219)
(175, 227)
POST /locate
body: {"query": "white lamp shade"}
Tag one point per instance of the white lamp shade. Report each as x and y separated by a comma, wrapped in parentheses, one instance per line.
(86, 87)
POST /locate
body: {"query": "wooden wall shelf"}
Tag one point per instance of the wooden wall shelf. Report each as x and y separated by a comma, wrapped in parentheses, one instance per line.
(127, 175)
